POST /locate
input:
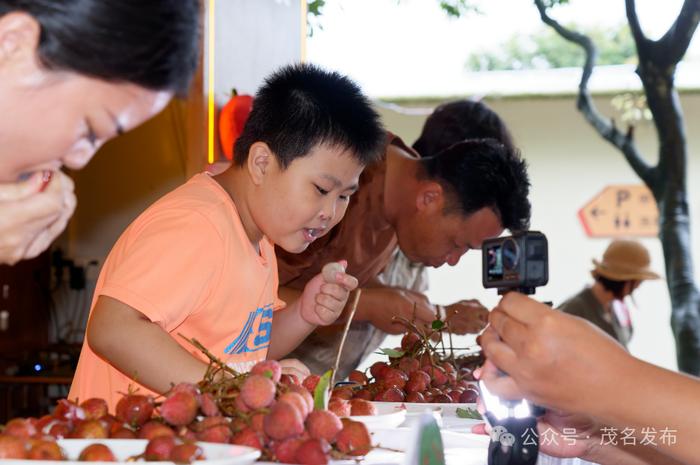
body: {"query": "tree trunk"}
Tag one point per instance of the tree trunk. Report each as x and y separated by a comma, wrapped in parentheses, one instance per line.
(667, 180)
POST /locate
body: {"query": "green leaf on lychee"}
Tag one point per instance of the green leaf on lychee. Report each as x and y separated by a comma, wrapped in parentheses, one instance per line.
(322, 391)
(438, 325)
(268, 374)
(468, 413)
(393, 353)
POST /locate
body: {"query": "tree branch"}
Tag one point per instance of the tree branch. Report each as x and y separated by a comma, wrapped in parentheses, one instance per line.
(675, 42)
(607, 130)
(633, 20)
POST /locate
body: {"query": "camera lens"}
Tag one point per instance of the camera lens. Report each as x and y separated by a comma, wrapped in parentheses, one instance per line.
(511, 254)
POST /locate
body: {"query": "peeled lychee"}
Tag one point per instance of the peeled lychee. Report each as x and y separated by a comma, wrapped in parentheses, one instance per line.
(258, 391)
(353, 439)
(283, 421)
(180, 408)
(268, 368)
(323, 424)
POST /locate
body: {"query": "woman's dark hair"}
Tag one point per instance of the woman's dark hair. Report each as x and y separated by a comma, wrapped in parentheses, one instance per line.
(150, 43)
(302, 106)
(617, 288)
(456, 121)
(478, 173)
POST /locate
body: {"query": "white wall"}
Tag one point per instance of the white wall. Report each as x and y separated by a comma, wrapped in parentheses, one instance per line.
(569, 164)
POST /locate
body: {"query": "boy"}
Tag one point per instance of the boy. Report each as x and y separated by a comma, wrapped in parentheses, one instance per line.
(201, 260)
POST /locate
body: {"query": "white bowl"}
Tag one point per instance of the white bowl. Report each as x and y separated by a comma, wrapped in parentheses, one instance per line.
(215, 454)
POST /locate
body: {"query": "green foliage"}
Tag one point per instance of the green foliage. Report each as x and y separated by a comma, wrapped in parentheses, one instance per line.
(469, 413)
(392, 353)
(314, 10)
(457, 8)
(546, 49)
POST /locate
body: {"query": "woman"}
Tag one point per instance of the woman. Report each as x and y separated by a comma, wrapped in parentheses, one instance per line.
(74, 74)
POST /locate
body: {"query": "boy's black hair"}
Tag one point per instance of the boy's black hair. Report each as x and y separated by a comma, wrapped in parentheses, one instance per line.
(153, 44)
(480, 173)
(301, 106)
(456, 121)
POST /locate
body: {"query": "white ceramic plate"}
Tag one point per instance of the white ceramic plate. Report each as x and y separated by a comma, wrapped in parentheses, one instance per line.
(387, 417)
(215, 454)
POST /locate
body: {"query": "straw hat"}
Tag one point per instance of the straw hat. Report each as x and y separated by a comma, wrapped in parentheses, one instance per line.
(624, 260)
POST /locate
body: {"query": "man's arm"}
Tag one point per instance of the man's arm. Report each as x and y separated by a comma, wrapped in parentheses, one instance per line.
(564, 362)
(380, 304)
(140, 348)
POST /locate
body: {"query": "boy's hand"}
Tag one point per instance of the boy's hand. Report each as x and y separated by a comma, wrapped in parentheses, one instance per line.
(326, 294)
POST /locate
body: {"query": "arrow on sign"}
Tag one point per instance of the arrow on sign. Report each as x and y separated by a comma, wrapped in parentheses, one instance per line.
(633, 213)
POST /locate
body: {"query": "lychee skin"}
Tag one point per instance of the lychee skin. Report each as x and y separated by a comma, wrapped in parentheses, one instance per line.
(258, 391)
(353, 439)
(180, 408)
(283, 421)
(323, 424)
(159, 448)
(313, 452)
(269, 368)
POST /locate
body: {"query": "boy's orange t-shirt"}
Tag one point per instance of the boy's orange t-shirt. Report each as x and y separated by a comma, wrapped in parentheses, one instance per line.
(187, 264)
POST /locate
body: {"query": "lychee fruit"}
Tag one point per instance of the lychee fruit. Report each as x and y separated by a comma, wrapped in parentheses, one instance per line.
(258, 391)
(159, 448)
(268, 368)
(134, 409)
(353, 439)
(97, 453)
(361, 407)
(180, 408)
(94, 408)
(323, 424)
(283, 421)
(313, 452)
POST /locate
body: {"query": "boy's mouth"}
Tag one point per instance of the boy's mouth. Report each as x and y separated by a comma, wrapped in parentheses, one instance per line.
(311, 234)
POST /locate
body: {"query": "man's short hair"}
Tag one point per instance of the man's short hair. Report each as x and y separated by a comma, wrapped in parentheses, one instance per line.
(480, 173)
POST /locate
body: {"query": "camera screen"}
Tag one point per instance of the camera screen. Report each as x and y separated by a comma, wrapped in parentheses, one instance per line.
(495, 263)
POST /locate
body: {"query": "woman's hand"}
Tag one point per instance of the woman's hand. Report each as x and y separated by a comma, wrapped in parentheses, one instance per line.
(33, 213)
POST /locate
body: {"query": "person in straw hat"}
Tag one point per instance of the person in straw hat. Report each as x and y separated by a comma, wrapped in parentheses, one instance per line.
(624, 266)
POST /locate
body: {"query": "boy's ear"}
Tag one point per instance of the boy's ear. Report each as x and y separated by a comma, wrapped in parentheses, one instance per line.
(260, 159)
(430, 197)
(19, 40)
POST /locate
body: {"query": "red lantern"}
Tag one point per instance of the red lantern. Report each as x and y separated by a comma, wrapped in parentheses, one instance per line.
(232, 120)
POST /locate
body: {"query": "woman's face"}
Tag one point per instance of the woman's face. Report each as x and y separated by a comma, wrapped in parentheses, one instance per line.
(63, 120)
(50, 119)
